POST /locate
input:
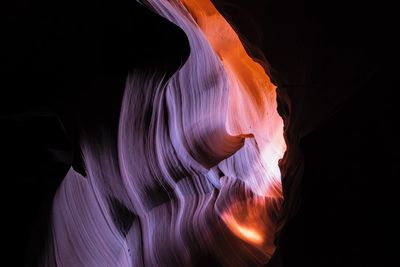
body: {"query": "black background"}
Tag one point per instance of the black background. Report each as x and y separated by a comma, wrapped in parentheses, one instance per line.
(64, 66)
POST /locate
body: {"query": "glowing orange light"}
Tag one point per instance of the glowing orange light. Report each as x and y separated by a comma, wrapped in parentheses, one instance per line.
(243, 232)
(250, 234)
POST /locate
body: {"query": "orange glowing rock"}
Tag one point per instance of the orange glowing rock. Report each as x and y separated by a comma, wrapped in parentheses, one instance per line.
(244, 232)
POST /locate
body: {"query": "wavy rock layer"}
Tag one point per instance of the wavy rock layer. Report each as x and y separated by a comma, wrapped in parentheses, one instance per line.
(193, 178)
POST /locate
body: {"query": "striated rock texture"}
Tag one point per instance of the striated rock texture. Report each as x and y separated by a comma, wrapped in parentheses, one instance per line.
(193, 178)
